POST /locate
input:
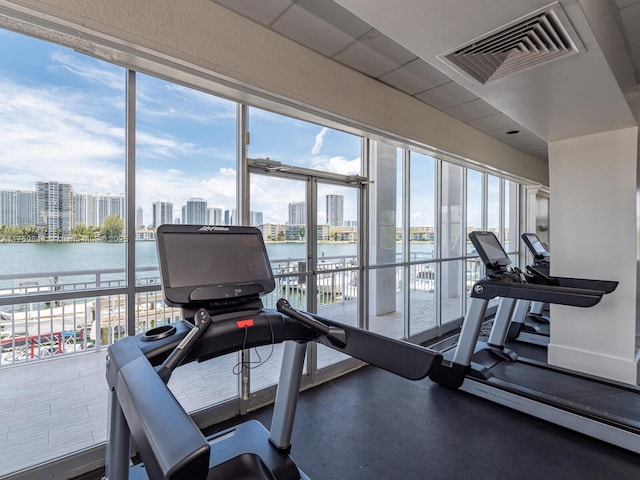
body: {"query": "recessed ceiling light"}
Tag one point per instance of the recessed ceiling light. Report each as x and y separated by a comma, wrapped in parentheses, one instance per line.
(513, 132)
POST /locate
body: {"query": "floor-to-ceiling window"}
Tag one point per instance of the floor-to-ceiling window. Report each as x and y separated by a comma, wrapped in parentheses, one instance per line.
(62, 199)
(422, 242)
(95, 157)
(185, 172)
(301, 188)
(452, 291)
(184, 153)
(476, 212)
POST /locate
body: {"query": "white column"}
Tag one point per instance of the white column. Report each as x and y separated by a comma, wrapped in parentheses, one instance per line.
(593, 184)
(382, 246)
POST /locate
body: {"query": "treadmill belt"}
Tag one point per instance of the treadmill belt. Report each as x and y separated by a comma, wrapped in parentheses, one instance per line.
(589, 394)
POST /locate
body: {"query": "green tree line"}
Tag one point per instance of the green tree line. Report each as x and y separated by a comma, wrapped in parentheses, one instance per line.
(111, 231)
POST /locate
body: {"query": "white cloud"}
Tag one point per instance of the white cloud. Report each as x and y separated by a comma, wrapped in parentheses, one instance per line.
(176, 186)
(77, 136)
(91, 70)
(319, 140)
(45, 138)
(337, 164)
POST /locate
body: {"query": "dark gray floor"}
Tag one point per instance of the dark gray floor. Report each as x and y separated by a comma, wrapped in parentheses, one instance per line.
(373, 425)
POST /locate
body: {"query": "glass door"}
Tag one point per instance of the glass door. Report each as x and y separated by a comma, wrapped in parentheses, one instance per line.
(310, 226)
(336, 266)
(278, 207)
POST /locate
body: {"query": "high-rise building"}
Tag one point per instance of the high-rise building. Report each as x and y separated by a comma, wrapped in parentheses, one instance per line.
(80, 207)
(94, 209)
(335, 210)
(162, 213)
(195, 212)
(17, 208)
(256, 218)
(297, 213)
(139, 217)
(115, 206)
(228, 217)
(214, 216)
(54, 209)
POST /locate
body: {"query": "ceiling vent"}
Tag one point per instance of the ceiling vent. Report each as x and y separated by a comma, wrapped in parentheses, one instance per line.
(527, 43)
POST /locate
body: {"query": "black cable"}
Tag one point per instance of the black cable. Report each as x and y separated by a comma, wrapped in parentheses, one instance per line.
(239, 367)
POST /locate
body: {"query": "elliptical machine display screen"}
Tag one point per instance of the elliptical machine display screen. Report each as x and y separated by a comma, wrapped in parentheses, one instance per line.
(201, 264)
(489, 249)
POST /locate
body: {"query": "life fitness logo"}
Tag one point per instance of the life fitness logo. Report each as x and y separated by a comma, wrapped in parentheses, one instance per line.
(208, 228)
(478, 288)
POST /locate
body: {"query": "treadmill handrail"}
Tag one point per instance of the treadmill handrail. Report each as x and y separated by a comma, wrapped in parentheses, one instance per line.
(225, 335)
(408, 360)
(607, 286)
(138, 385)
(577, 297)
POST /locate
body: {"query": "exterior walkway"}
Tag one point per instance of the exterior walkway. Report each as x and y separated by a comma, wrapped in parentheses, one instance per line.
(57, 407)
(51, 408)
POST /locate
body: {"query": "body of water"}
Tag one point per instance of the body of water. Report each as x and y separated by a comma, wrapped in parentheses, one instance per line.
(45, 260)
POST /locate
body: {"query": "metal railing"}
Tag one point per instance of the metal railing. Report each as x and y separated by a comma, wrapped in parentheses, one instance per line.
(58, 313)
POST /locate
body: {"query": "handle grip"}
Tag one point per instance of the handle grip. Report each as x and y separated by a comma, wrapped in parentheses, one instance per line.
(337, 336)
(202, 320)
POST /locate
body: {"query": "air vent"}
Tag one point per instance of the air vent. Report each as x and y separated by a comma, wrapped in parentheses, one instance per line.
(538, 39)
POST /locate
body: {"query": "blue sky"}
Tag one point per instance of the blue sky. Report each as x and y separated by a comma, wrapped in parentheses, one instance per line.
(63, 119)
(62, 115)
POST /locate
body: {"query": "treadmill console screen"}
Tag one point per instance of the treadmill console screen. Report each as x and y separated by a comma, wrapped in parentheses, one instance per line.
(489, 249)
(535, 246)
(201, 264)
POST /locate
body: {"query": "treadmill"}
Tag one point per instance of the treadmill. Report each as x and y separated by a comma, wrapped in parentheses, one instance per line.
(217, 276)
(530, 321)
(600, 408)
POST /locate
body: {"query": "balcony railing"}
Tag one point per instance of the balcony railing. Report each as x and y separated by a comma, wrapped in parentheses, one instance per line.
(58, 313)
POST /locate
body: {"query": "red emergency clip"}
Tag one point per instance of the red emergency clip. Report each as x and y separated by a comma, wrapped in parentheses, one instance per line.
(245, 323)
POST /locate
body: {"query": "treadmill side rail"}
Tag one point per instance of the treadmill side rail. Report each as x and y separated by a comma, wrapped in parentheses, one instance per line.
(138, 385)
(576, 297)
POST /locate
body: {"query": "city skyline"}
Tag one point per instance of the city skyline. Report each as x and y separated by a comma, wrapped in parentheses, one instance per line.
(58, 202)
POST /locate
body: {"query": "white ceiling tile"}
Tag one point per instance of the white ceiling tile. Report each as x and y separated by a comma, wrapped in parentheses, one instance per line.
(387, 47)
(407, 81)
(625, 3)
(536, 145)
(445, 96)
(336, 15)
(634, 51)
(263, 12)
(427, 72)
(313, 32)
(494, 122)
(630, 17)
(472, 110)
(414, 77)
(524, 138)
(365, 60)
